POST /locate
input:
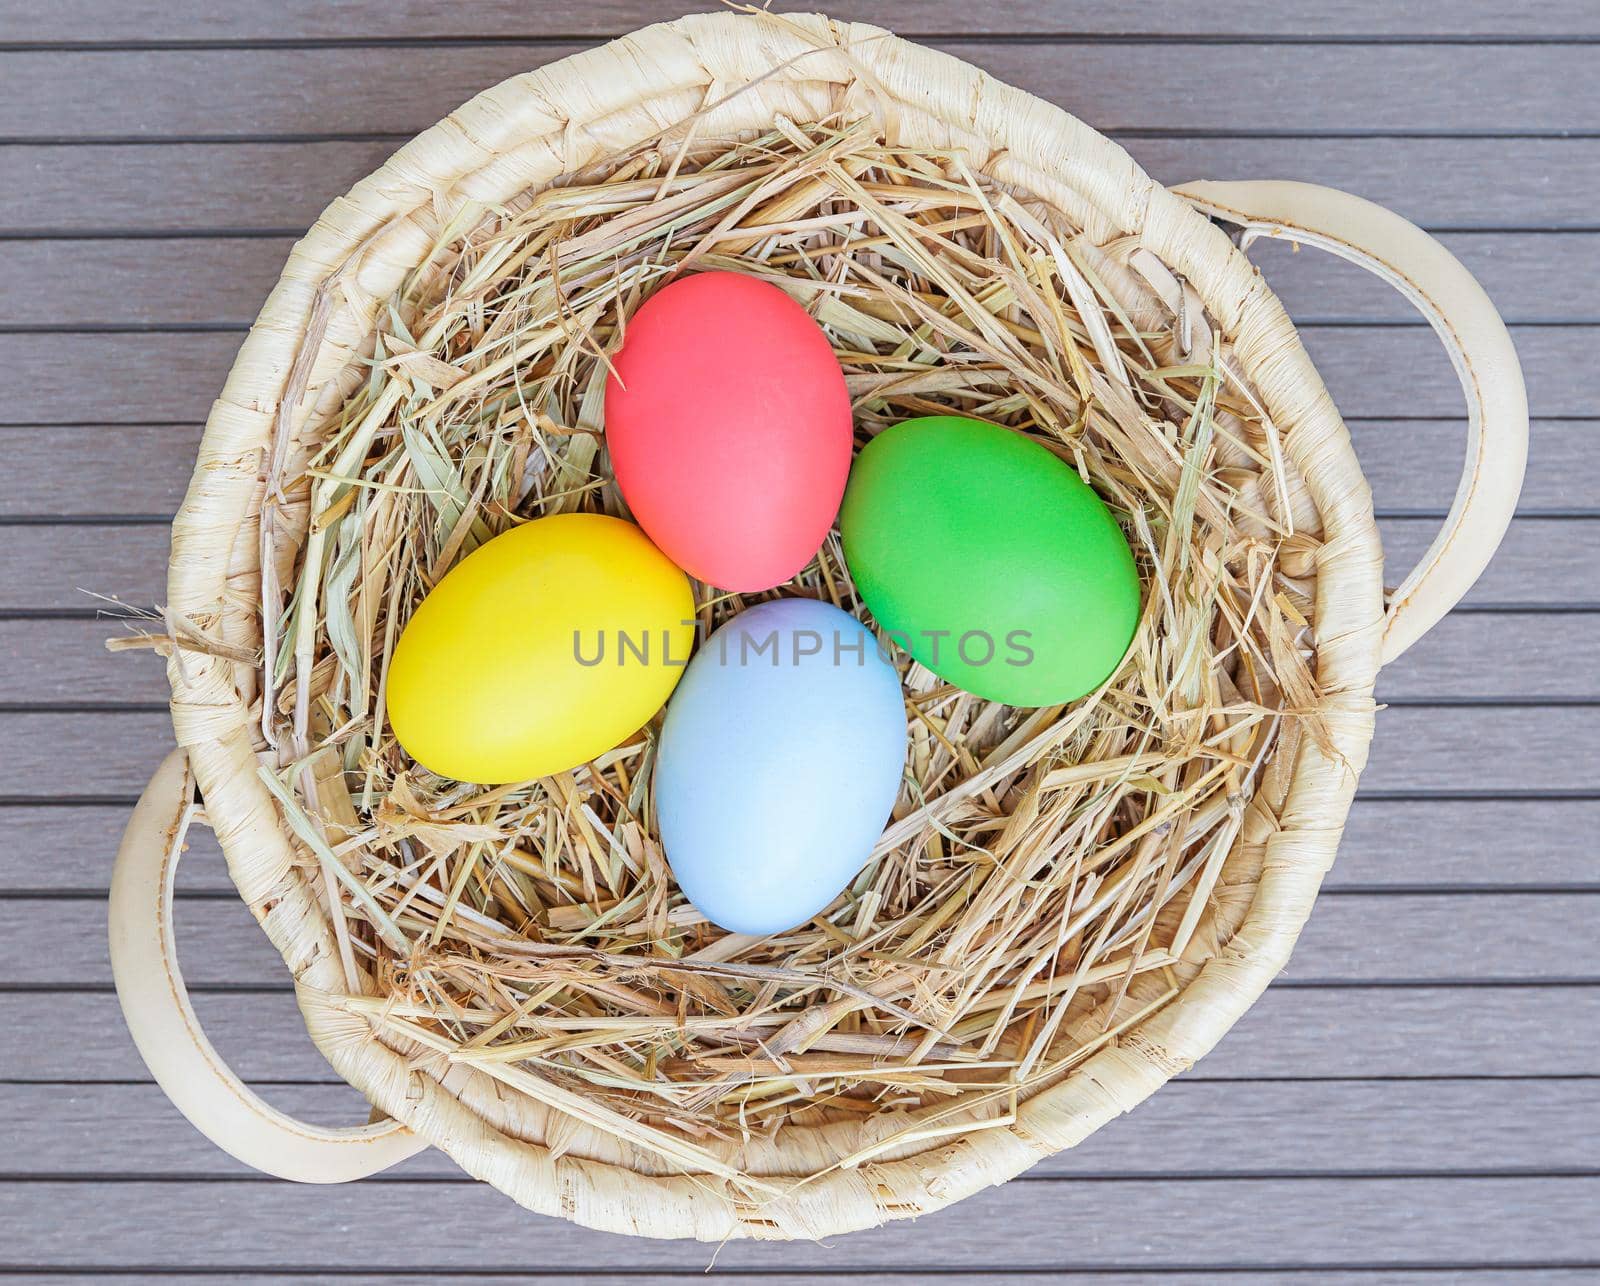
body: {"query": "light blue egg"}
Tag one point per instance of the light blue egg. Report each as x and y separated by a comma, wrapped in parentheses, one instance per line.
(779, 764)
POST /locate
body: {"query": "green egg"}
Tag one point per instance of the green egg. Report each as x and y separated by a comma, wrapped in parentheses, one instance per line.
(989, 560)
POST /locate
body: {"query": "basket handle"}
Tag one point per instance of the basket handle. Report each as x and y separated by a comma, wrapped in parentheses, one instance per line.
(1480, 349)
(144, 964)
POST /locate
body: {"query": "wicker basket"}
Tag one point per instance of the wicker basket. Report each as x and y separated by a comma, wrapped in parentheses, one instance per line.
(521, 136)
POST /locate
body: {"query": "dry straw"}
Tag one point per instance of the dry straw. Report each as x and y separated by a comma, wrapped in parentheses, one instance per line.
(512, 970)
(1045, 871)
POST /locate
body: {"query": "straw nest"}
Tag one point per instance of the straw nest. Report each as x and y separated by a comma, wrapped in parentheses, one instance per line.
(1049, 878)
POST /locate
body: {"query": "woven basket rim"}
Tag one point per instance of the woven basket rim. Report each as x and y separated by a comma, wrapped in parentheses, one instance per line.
(523, 133)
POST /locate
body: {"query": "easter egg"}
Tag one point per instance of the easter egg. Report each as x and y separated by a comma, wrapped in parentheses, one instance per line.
(989, 560)
(545, 647)
(779, 762)
(729, 428)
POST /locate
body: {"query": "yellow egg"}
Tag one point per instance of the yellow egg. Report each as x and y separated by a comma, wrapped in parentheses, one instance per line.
(548, 646)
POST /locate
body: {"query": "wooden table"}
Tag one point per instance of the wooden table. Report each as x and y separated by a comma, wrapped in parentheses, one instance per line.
(1416, 1100)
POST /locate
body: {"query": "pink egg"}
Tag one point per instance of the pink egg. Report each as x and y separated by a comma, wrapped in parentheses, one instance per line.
(729, 427)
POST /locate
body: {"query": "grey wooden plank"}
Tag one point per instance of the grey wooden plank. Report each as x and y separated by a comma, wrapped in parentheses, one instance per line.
(1417, 749)
(1291, 1033)
(1412, 465)
(1502, 656)
(1483, 750)
(1117, 1277)
(65, 662)
(52, 568)
(146, 378)
(1541, 560)
(89, 22)
(1465, 843)
(1388, 844)
(165, 281)
(164, 377)
(259, 1035)
(138, 469)
(1514, 655)
(1386, 937)
(1190, 1127)
(1405, 938)
(1353, 938)
(61, 1130)
(1449, 183)
(70, 849)
(1410, 1031)
(345, 90)
(85, 564)
(1384, 372)
(91, 755)
(1040, 1224)
(185, 281)
(1416, 464)
(1528, 275)
(281, 186)
(1438, 183)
